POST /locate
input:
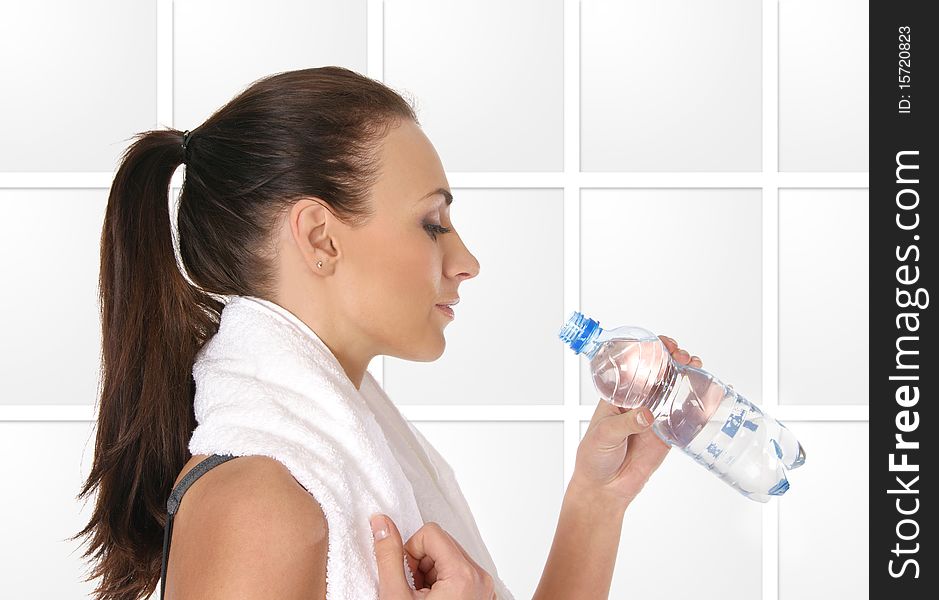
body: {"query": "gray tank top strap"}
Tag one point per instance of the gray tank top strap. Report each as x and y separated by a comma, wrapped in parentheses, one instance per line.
(176, 496)
(172, 504)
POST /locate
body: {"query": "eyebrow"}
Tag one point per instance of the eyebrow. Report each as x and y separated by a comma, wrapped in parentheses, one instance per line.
(446, 194)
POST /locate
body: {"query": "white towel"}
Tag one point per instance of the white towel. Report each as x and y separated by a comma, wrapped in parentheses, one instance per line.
(266, 384)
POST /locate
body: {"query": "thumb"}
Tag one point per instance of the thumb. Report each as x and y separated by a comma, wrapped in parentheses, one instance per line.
(613, 430)
(389, 550)
(604, 409)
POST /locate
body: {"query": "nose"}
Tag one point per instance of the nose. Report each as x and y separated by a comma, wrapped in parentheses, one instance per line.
(461, 262)
(468, 267)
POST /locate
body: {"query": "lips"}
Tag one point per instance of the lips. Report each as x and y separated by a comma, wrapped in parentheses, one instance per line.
(446, 307)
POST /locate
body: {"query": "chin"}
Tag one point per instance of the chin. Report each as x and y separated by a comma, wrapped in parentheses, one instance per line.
(428, 349)
(433, 348)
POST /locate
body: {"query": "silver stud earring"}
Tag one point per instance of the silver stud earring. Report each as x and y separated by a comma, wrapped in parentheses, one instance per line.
(319, 264)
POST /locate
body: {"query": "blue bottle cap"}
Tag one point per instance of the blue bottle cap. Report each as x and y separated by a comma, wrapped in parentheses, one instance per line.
(577, 331)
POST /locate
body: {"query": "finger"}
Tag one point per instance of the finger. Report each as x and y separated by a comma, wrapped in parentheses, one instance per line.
(670, 343)
(431, 542)
(430, 576)
(415, 565)
(427, 566)
(612, 432)
(681, 355)
(460, 547)
(469, 559)
(389, 550)
(646, 452)
(695, 362)
(603, 410)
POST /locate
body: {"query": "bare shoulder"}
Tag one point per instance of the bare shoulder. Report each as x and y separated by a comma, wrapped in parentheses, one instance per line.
(247, 529)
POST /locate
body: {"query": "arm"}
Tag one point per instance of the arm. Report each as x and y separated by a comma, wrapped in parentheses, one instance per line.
(583, 554)
(249, 532)
(609, 473)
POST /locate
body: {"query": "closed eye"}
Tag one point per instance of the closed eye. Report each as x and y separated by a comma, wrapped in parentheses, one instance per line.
(433, 229)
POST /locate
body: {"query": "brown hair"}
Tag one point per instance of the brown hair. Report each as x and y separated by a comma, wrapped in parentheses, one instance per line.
(311, 132)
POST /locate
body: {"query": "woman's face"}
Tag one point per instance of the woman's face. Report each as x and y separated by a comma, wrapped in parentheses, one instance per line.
(381, 282)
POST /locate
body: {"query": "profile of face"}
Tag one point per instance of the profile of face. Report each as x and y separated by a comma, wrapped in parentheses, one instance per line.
(378, 289)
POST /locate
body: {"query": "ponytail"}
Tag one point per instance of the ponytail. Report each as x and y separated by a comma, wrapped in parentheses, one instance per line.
(153, 322)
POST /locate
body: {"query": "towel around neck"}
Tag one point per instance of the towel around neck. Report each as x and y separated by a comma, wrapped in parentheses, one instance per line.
(266, 384)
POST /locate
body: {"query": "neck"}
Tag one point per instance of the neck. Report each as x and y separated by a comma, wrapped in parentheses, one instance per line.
(353, 358)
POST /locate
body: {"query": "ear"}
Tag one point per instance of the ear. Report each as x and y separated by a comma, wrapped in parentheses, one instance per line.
(314, 228)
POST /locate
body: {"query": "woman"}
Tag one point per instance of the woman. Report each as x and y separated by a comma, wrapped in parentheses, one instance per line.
(315, 190)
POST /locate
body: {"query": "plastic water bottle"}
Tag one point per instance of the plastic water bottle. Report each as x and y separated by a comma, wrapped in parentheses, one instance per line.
(693, 410)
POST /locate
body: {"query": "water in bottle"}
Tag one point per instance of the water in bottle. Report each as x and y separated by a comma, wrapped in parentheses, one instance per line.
(693, 410)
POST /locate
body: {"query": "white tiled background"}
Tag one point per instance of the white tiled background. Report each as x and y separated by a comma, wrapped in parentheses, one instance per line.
(696, 167)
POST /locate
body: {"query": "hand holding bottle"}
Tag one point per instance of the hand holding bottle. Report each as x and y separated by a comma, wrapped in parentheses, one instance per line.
(707, 419)
(619, 453)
